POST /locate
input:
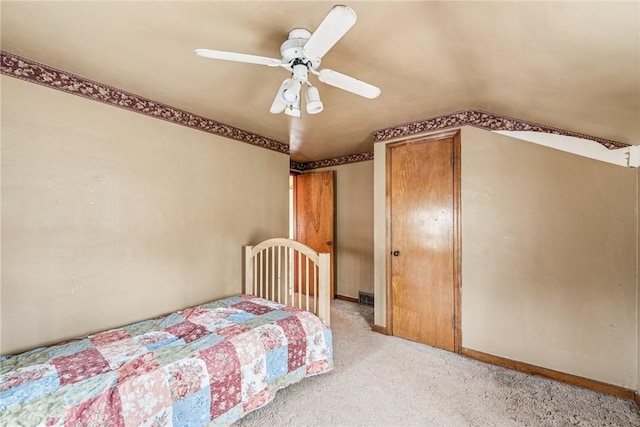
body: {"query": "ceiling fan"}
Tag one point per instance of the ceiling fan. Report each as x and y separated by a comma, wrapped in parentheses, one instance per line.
(301, 54)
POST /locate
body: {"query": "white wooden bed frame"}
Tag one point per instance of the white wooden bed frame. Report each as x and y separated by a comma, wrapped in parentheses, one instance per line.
(273, 268)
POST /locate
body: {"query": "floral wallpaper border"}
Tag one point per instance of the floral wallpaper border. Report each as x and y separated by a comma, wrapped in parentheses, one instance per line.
(34, 72)
(337, 161)
(482, 120)
(296, 166)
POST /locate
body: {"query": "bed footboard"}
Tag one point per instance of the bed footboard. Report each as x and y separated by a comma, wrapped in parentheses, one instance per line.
(289, 272)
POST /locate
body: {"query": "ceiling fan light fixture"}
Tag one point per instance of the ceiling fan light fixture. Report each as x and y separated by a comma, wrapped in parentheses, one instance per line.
(291, 91)
(314, 104)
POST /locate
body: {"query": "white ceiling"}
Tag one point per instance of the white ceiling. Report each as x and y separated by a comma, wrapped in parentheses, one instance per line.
(572, 65)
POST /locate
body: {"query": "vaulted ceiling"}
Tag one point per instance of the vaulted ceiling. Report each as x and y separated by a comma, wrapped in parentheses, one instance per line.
(571, 65)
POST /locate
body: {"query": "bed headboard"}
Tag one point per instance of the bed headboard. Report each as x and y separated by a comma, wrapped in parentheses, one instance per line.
(289, 272)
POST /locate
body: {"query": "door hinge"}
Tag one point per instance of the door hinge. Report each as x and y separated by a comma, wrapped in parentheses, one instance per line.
(453, 321)
(453, 159)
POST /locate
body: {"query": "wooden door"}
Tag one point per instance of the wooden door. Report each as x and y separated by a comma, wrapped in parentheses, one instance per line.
(315, 214)
(422, 200)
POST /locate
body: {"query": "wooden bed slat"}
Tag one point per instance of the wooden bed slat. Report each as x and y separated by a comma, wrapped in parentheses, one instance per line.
(306, 284)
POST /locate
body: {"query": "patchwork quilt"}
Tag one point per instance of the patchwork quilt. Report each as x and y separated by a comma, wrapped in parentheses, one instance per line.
(209, 364)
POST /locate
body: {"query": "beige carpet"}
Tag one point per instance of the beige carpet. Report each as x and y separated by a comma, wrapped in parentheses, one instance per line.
(386, 381)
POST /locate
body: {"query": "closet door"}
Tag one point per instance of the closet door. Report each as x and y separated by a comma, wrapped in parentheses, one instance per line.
(421, 234)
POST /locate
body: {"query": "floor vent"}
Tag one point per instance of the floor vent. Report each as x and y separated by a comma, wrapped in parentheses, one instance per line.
(365, 298)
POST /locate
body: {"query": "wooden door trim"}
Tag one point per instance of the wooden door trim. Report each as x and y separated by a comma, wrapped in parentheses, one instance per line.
(417, 139)
(457, 235)
(294, 215)
(457, 243)
(387, 245)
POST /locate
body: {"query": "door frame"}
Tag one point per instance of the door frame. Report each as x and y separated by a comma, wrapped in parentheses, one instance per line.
(457, 238)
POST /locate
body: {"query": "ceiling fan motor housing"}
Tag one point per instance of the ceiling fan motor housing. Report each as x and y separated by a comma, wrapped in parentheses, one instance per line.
(292, 49)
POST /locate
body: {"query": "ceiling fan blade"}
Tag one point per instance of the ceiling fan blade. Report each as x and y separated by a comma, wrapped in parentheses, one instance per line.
(331, 29)
(347, 83)
(238, 57)
(279, 104)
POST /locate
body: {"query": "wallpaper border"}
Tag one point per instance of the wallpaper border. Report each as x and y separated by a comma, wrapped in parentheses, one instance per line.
(337, 161)
(483, 120)
(44, 75)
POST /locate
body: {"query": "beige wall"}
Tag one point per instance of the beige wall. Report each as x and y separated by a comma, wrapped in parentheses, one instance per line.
(548, 257)
(354, 228)
(109, 217)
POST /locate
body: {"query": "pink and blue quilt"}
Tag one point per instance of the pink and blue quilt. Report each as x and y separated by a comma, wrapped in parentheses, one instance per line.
(212, 363)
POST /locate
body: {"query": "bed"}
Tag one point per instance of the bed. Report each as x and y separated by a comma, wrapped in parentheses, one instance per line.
(208, 364)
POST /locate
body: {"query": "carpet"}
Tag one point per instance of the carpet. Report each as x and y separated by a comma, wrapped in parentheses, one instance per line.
(380, 380)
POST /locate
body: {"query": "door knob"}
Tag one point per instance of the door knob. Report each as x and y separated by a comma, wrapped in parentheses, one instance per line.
(395, 253)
